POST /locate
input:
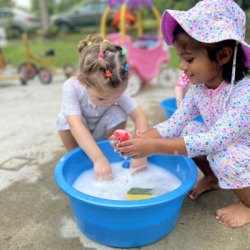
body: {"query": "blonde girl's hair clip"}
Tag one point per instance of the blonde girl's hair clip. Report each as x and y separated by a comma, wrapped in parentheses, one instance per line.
(126, 67)
(105, 41)
(123, 52)
(101, 55)
(108, 74)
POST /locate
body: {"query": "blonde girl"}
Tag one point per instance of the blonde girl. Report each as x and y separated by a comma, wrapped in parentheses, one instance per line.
(96, 103)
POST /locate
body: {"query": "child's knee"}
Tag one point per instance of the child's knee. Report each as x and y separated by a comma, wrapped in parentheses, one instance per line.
(231, 165)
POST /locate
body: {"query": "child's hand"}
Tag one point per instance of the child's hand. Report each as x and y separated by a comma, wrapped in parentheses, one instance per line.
(140, 147)
(103, 170)
(120, 135)
(113, 140)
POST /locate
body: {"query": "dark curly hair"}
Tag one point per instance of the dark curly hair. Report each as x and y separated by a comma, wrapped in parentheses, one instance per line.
(185, 41)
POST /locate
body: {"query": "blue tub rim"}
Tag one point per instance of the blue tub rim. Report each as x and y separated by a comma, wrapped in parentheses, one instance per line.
(73, 193)
(163, 105)
(169, 108)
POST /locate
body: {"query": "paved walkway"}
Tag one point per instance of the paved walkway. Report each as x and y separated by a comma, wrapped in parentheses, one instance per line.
(36, 214)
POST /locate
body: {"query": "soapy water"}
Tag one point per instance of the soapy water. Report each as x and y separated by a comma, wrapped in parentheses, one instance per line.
(156, 178)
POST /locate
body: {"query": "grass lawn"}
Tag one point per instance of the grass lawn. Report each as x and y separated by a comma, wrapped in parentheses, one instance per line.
(65, 45)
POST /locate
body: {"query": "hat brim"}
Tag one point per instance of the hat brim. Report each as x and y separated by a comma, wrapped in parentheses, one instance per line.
(246, 50)
(169, 23)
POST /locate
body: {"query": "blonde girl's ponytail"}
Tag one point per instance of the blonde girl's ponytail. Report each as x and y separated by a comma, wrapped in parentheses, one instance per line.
(102, 64)
(83, 43)
(88, 42)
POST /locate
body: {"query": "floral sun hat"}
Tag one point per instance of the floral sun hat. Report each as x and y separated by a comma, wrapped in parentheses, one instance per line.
(209, 21)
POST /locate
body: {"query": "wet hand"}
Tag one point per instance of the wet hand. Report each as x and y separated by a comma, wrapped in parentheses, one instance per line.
(113, 140)
(140, 147)
(103, 170)
(120, 135)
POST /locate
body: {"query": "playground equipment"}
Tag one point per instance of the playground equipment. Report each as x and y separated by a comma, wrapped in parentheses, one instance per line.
(22, 76)
(144, 62)
(48, 64)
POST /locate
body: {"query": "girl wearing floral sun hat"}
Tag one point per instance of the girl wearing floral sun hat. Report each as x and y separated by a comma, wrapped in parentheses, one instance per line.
(209, 39)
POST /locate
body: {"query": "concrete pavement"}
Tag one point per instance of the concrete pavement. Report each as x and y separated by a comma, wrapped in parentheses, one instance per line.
(36, 214)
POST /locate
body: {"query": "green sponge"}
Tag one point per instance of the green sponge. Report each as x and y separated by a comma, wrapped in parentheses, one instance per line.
(139, 194)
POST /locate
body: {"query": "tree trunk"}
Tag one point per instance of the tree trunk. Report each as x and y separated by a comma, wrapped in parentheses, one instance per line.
(44, 18)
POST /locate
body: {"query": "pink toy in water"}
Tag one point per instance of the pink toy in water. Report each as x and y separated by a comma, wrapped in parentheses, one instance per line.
(121, 135)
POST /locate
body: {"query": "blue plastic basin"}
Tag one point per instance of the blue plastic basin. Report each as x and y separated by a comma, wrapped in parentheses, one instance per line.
(170, 106)
(124, 223)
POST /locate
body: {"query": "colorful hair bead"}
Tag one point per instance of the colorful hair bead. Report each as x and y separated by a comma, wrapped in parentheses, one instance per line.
(89, 43)
(106, 41)
(126, 67)
(101, 55)
(108, 74)
(123, 52)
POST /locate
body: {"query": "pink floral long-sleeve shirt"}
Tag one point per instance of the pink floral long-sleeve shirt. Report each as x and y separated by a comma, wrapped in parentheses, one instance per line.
(226, 125)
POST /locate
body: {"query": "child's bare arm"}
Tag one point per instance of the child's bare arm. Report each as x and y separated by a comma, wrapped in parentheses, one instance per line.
(87, 143)
(153, 133)
(181, 88)
(141, 124)
(179, 93)
(140, 120)
(144, 146)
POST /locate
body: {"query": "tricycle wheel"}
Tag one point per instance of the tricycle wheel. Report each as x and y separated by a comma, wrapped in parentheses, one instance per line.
(24, 76)
(31, 72)
(168, 76)
(134, 84)
(45, 75)
(69, 70)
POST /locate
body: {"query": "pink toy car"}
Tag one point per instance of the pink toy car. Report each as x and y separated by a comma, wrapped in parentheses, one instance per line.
(144, 63)
(147, 54)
